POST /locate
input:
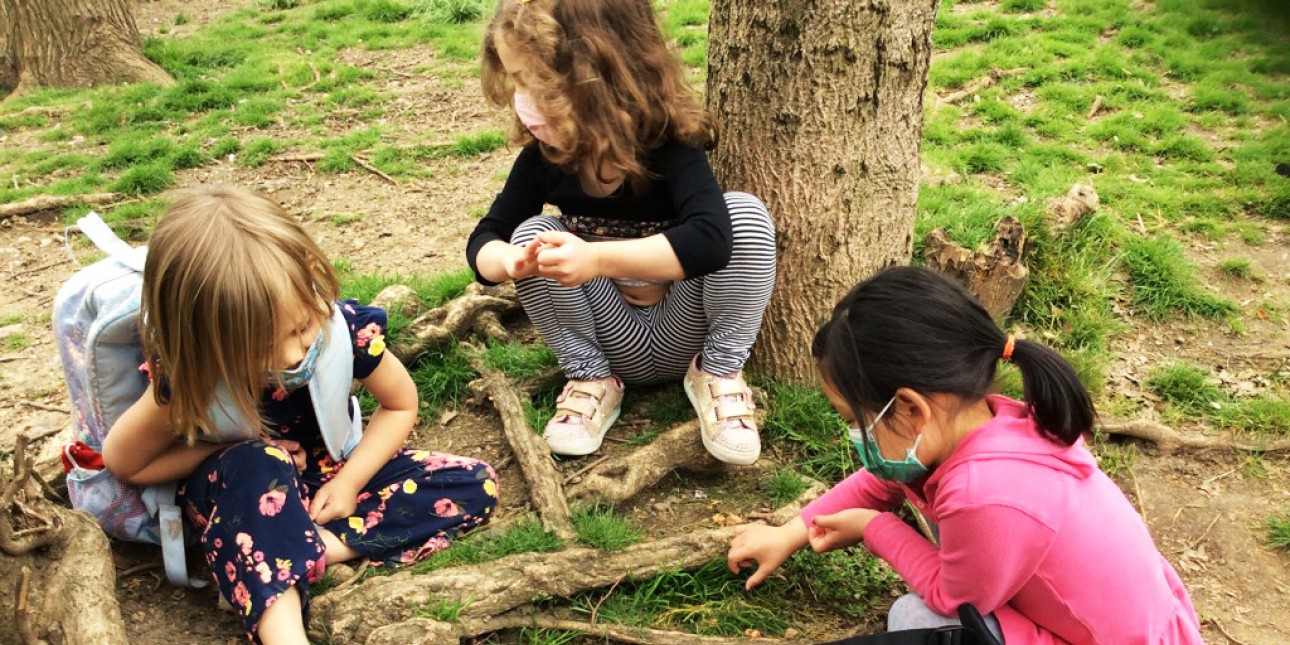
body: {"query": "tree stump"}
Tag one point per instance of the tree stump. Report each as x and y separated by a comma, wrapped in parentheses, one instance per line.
(995, 276)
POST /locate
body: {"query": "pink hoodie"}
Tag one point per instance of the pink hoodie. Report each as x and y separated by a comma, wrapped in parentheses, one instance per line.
(1032, 531)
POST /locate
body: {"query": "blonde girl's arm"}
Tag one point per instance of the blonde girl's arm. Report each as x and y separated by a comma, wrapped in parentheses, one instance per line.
(141, 447)
(384, 435)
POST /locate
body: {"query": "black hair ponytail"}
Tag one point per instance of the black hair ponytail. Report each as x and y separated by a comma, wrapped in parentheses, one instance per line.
(1059, 401)
(912, 327)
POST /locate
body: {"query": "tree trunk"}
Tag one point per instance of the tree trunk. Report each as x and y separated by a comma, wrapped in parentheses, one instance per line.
(74, 43)
(821, 110)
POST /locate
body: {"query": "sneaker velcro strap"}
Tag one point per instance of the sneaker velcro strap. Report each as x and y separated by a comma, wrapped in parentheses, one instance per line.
(732, 410)
(595, 391)
(727, 387)
(585, 408)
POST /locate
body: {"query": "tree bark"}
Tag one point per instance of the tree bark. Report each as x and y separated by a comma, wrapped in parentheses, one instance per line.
(821, 105)
(995, 276)
(74, 43)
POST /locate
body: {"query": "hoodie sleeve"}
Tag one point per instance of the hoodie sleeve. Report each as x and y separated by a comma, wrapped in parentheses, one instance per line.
(860, 490)
(987, 553)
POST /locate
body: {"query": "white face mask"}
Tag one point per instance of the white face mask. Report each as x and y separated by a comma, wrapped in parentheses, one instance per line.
(532, 118)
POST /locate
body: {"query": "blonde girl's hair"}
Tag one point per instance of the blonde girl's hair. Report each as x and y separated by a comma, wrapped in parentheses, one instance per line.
(225, 266)
(604, 78)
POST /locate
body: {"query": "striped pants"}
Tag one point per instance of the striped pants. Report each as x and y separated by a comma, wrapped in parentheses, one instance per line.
(594, 332)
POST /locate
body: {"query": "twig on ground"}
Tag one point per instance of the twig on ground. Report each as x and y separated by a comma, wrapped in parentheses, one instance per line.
(19, 274)
(10, 357)
(317, 77)
(372, 169)
(21, 616)
(358, 574)
(596, 609)
(44, 406)
(42, 203)
(1137, 496)
(972, 88)
(305, 157)
(1205, 534)
(582, 471)
(43, 434)
(140, 568)
(1097, 105)
(1223, 630)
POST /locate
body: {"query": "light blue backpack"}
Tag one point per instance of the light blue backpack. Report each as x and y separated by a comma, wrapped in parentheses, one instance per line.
(96, 330)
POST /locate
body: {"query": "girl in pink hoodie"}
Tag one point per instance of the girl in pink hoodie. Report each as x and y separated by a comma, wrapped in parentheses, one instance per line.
(1030, 531)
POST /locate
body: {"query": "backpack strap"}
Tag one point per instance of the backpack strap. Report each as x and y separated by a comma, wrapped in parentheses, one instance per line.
(173, 538)
(105, 238)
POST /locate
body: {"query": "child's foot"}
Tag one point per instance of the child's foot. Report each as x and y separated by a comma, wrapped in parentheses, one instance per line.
(583, 413)
(725, 408)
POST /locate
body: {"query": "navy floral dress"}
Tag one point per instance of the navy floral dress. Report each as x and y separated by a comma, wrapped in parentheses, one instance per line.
(250, 502)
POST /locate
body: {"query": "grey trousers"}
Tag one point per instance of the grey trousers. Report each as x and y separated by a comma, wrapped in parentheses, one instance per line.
(910, 612)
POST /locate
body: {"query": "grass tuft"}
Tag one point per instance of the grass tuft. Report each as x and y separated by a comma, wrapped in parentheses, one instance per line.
(597, 526)
(1164, 283)
(1278, 526)
(523, 537)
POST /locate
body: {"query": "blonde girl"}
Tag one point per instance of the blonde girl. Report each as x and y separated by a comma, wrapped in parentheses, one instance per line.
(251, 358)
(649, 273)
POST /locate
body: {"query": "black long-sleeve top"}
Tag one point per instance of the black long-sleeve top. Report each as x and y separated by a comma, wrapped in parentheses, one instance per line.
(681, 188)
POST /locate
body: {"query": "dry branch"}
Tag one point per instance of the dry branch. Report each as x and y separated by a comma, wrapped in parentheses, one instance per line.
(544, 482)
(454, 319)
(972, 88)
(43, 203)
(372, 169)
(305, 157)
(995, 276)
(622, 478)
(1169, 440)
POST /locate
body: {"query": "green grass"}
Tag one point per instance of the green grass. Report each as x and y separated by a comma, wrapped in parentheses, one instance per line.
(518, 361)
(523, 537)
(1278, 526)
(1192, 392)
(597, 526)
(1164, 282)
(783, 486)
(443, 610)
(1238, 268)
(18, 341)
(801, 419)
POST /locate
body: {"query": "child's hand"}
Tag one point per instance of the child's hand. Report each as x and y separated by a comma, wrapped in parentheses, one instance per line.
(566, 258)
(767, 546)
(521, 261)
(841, 529)
(336, 499)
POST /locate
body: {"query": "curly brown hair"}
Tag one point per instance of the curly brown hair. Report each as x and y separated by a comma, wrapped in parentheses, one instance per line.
(604, 78)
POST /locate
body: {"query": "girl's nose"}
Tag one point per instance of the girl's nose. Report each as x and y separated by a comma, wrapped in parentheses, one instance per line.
(292, 354)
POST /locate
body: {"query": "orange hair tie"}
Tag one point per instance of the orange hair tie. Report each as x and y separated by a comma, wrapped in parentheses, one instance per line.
(1008, 347)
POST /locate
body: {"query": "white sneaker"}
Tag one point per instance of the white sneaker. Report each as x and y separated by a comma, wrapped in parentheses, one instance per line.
(725, 408)
(583, 413)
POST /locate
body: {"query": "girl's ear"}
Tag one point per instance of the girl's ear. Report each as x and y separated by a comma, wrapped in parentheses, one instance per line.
(914, 409)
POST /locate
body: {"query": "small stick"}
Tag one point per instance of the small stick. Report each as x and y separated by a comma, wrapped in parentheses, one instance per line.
(372, 169)
(605, 597)
(1137, 493)
(317, 77)
(51, 265)
(47, 432)
(9, 358)
(140, 568)
(20, 610)
(1206, 533)
(1214, 621)
(358, 573)
(45, 406)
(584, 470)
(306, 157)
(1097, 105)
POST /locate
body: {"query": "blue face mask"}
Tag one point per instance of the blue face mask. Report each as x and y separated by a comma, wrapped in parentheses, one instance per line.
(298, 376)
(905, 471)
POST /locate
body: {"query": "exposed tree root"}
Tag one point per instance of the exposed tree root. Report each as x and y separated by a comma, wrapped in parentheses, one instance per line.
(45, 203)
(490, 590)
(623, 477)
(1169, 440)
(995, 276)
(545, 486)
(455, 319)
(425, 630)
(59, 566)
